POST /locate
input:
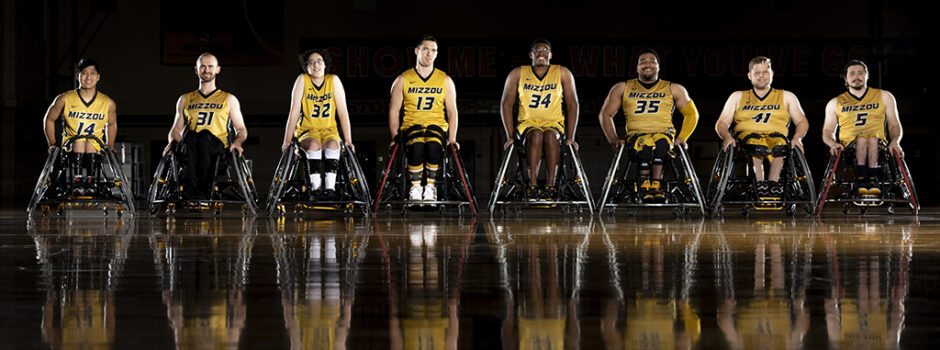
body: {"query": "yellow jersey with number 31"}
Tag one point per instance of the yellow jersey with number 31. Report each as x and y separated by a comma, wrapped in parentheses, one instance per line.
(761, 115)
(207, 112)
(85, 119)
(423, 98)
(540, 97)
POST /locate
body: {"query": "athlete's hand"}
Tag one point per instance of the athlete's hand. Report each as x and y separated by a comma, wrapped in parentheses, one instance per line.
(285, 146)
(392, 144)
(168, 147)
(616, 143)
(350, 145)
(835, 148)
(237, 148)
(453, 142)
(797, 143)
(508, 143)
(571, 142)
(895, 147)
(51, 148)
(727, 142)
(681, 142)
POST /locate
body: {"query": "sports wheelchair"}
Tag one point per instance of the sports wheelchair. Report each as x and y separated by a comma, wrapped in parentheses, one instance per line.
(730, 184)
(897, 187)
(290, 187)
(232, 184)
(53, 191)
(454, 188)
(680, 184)
(512, 180)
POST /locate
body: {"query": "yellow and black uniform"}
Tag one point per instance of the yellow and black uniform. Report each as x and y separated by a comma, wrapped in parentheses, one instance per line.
(861, 116)
(424, 126)
(648, 110)
(85, 120)
(317, 112)
(207, 112)
(542, 333)
(540, 100)
(762, 122)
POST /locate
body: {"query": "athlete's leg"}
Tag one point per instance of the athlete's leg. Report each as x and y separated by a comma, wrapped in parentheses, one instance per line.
(331, 153)
(550, 143)
(873, 180)
(758, 164)
(534, 139)
(433, 153)
(414, 148)
(775, 167)
(314, 152)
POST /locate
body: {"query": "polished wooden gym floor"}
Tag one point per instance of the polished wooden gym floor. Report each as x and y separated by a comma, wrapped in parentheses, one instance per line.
(542, 281)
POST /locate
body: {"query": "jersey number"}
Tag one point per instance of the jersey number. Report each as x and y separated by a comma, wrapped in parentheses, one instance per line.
(86, 130)
(425, 103)
(204, 118)
(646, 106)
(861, 119)
(539, 100)
(320, 113)
(762, 118)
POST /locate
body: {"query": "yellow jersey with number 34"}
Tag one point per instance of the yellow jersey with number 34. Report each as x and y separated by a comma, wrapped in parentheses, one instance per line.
(85, 119)
(207, 112)
(861, 116)
(761, 115)
(317, 108)
(424, 98)
(648, 110)
(540, 97)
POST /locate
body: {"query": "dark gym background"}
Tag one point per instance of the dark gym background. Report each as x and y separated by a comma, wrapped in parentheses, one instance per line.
(147, 50)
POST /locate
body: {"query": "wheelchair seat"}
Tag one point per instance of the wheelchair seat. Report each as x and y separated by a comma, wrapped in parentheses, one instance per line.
(53, 191)
(895, 182)
(232, 184)
(454, 188)
(291, 183)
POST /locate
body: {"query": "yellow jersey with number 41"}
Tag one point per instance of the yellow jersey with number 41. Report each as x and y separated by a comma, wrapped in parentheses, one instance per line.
(764, 115)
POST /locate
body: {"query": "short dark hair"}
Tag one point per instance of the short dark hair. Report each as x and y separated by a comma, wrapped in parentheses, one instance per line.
(302, 58)
(85, 63)
(426, 37)
(540, 41)
(845, 70)
(646, 51)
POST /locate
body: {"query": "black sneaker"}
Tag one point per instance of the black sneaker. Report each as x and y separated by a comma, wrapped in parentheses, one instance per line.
(776, 189)
(532, 193)
(763, 189)
(329, 195)
(550, 193)
(78, 188)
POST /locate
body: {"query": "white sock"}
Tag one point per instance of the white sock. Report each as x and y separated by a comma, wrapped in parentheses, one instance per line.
(330, 179)
(315, 179)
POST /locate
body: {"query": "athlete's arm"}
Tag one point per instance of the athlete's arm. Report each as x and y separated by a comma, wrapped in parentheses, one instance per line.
(394, 107)
(235, 116)
(112, 124)
(179, 125)
(894, 123)
(798, 117)
(829, 128)
(689, 113)
(571, 103)
(611, 105)
(52, 114)
(725, 120)
(339, 94)
(450, 106)
(296, 99)
(506, 103)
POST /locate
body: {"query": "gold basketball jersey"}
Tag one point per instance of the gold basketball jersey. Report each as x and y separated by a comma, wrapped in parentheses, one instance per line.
(424, 98)
(207, 112)
(860, 115)
(85, 119)
(761, 115)
(317, 109)
(540, 97)
(648, 109)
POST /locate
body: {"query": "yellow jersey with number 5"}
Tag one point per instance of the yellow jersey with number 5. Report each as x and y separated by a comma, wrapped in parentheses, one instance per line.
(207, 112)
(540, 97)
(85, 119)
(424, 98)
(648, 109)
(861, 116)
(764, 115)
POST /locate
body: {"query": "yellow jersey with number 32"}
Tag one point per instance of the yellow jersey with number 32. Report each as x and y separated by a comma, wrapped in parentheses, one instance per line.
(85, 119)
(648, 110)
(317, 108)
(207, 112)
(761, 115)
(423, 98)
(861, 116)
(540, 97)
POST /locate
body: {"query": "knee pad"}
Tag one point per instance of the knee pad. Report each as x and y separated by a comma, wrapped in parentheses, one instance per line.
(780, 150)
(415, 153)
(434, 153)
(660, 152)
(644, 157)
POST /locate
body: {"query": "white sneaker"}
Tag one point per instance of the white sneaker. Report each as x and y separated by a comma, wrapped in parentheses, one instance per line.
(415, 193)
(430, 193)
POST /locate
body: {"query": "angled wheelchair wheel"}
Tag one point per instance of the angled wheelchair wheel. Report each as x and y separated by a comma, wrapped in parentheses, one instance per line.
(119, 179)
(464, 186)
(245, 183)
(907, 184)
(501, 179)
(580, 179)
(801, 181)
(828, 180)
(692, 179)
(165, 183)
(718, 180)
(358, 185)
(610, 179)
(388, 182)
(280, 179)
(45, 180)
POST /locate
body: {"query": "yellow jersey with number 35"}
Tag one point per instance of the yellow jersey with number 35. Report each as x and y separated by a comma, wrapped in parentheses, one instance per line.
(861, 116)
(207, 112)
(648, 110)
(424, 98)
(540, 97)
(317, 108)
(763, 115)
(85, 119)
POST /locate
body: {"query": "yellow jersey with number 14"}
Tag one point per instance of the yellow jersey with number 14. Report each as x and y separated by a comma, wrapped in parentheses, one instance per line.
(648, 110)
(424, 98)
(85, 119)
(540, 97)
(207, 112)
(764, 115)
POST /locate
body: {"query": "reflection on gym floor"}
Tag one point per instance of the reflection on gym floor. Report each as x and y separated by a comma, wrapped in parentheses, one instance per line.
(417, 283)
